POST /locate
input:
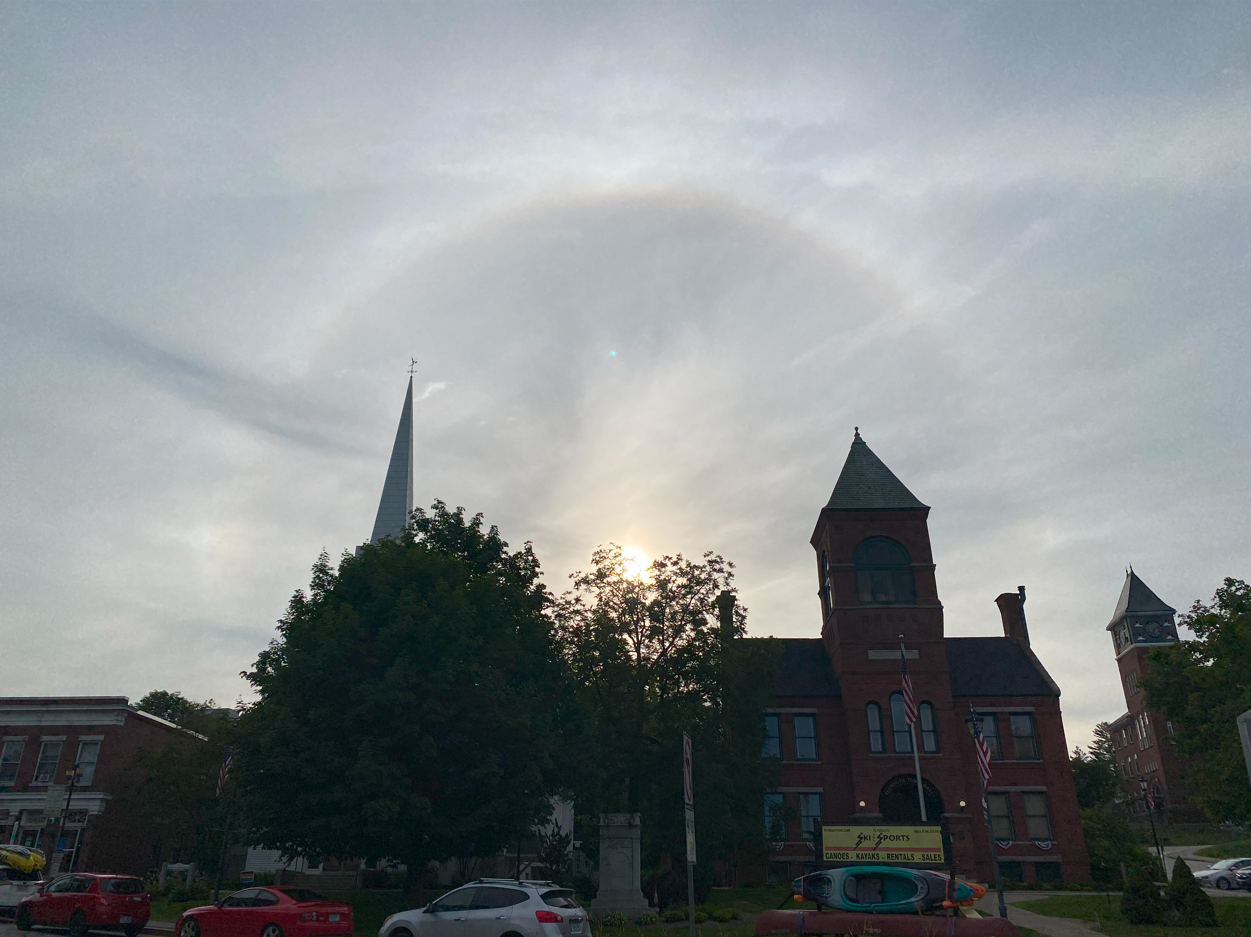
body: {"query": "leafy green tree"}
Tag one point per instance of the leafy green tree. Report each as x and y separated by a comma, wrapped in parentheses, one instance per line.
(1194, 908)
(410, 705)
(1112, 841)
(1203, 685)
(1142, 903)
(173, 706)
(654, 655)
(1094, 771)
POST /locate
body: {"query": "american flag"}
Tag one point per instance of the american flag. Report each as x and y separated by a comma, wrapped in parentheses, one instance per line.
(983, 750)
(223, 771)
(910, 700)
(1150, 798)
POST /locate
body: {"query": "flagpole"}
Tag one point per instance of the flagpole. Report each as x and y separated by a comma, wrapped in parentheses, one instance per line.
(912, 737)
(983, 768)
(994, 856)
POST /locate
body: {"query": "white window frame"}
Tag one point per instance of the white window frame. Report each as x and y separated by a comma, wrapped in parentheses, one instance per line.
(16, 763)
(88, 775)
(49, 778)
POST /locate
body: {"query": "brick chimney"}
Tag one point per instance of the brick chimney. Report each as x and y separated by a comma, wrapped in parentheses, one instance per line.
(1012, 611)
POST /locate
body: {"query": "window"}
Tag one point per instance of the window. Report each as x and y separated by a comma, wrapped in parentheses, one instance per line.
(990, 732)
(899, 725)
(929, 732)
(1011, 871)
(805, 738)
(459, 900)
(45, 768)
(88, 754)
(873, 715)
(1048, 873)
(1037, 819)
(303, 894)
(774, 818)
(1024, 745)
(883, 573)
(559, 898)
(1131, 683)
(772, 747)
(1169, 724)
(810, 814)
(1001, 816)
(241, 899)
(827, 594)
(10, 758)
(494, 897)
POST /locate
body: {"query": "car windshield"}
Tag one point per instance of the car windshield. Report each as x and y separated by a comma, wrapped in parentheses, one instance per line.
(303, 894)
(123, 886)
(1223, 864)
(560, 898)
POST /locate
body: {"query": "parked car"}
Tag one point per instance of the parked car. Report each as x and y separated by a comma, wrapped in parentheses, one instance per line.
(272, 911)
(14, 886)
(1221, 874)
(1244, 879)
(493, 907)
(84, 901)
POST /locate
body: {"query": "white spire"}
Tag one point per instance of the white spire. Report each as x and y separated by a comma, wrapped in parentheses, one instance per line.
(396, 503)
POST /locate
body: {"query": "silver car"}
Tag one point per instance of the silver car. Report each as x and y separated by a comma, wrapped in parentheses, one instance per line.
(1222, 874)
(495, 907)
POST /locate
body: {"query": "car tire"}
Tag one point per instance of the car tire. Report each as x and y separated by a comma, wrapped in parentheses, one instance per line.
(271, 930)
(401, 932)
(1222, 884)
(78, 924)
(22, 919)
(190, 928)
(131, 931)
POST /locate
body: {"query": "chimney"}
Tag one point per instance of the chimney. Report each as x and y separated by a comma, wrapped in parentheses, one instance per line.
(725, 614)
(1012, 611)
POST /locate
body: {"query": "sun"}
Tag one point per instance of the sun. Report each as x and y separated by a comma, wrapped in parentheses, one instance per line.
(635, 563)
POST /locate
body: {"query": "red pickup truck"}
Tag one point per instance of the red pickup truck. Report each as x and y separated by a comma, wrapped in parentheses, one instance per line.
(83, 901)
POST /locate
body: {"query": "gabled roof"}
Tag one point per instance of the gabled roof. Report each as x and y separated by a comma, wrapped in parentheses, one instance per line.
(396, 503)
(806, 670)
(1137, 597)
(866, 484)
(995, 667)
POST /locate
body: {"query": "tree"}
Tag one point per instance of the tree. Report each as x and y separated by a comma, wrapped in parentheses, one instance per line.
(1142, 903)
(409, 707)
(1203, 685)
(1094, 772)
(1194, 908)
(654, 655)
(173, 706)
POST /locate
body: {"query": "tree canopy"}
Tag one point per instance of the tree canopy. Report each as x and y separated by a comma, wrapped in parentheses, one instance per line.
(654, 655)
(1203, 685)
(409, 707)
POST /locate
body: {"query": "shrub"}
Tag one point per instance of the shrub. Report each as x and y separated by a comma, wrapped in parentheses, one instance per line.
(1190, 902)
(584, 885)
(746, 884)
(725, 915)
(673, 915)
(614, 919)
(700, 915)
(1141, 902)
(647, 918)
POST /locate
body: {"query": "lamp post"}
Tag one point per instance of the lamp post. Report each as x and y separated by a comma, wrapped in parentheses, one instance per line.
(1142, 783)
(73, 774)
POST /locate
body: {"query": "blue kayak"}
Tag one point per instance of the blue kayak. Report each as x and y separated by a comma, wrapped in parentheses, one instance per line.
(884, 889)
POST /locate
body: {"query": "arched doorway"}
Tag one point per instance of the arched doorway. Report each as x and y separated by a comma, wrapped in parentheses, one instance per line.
(897, 800)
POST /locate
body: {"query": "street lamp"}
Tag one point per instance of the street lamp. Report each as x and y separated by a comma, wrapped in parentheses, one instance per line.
(73, 776)
(1146, 802)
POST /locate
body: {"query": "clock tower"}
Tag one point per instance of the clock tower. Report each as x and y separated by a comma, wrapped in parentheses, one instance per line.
(1143, 623)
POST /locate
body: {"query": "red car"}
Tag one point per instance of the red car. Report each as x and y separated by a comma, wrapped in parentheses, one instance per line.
(272, 911)
(85, 902)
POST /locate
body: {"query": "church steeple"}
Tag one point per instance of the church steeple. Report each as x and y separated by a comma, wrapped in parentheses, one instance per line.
(1141, 616)
(866, 484)
(396, 503)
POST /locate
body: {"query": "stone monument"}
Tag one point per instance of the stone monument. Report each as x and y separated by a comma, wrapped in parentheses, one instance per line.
(620, 865)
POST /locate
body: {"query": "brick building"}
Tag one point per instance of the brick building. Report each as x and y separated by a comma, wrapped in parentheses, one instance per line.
(40, 738)
(837, 720)
(1142, 737)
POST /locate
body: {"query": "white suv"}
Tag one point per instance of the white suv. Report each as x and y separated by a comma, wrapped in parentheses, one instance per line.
(495, 907)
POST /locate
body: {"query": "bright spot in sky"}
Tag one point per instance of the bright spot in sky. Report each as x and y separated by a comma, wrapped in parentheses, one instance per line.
(635, 563)
(613, 353)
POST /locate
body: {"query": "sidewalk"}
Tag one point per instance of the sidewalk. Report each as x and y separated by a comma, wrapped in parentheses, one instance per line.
(1051, 926)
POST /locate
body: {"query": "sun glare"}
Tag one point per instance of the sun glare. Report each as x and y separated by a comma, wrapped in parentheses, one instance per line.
(635, 563)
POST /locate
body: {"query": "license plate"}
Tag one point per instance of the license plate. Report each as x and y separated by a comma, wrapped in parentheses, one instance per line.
(125, 918)
(577, 925)
(334, 917)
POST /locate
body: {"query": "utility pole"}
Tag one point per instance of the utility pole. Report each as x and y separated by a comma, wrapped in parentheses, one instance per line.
(73, 774)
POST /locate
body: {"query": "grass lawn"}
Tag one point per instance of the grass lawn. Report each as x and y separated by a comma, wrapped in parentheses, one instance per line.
(1235, 850)
(168, 911)
(755, 900)
(1170, 837)
(1233, 914)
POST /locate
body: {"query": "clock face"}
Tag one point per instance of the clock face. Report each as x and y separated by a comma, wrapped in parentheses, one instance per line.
(1154, 629)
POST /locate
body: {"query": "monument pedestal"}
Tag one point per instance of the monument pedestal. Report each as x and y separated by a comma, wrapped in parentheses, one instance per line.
(620, 865)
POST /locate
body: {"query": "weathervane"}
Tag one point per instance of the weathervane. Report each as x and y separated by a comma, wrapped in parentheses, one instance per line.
(412, 367)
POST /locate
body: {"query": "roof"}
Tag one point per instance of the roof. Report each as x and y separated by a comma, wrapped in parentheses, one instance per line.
(396, 503)
(866, 484)
(1137, 597)
(806, 670)
(996, 667)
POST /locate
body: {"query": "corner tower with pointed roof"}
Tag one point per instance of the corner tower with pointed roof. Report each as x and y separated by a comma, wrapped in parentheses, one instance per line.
(396, 503)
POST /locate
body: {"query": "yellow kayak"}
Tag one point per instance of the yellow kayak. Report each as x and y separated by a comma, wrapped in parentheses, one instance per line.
(22, 858)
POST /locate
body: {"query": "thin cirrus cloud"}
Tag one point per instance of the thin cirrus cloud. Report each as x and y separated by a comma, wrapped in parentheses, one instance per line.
(1008, 243)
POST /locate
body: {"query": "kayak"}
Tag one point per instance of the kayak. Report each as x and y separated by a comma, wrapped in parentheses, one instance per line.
(22, 858)
(885, 889)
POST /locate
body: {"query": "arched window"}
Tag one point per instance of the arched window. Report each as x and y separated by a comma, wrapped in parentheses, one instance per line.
(827, 594)
(873, 715)
(883, 573)
(899, 725)
(929, 731)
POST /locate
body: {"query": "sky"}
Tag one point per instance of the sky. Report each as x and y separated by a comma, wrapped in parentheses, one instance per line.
(655, 262)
